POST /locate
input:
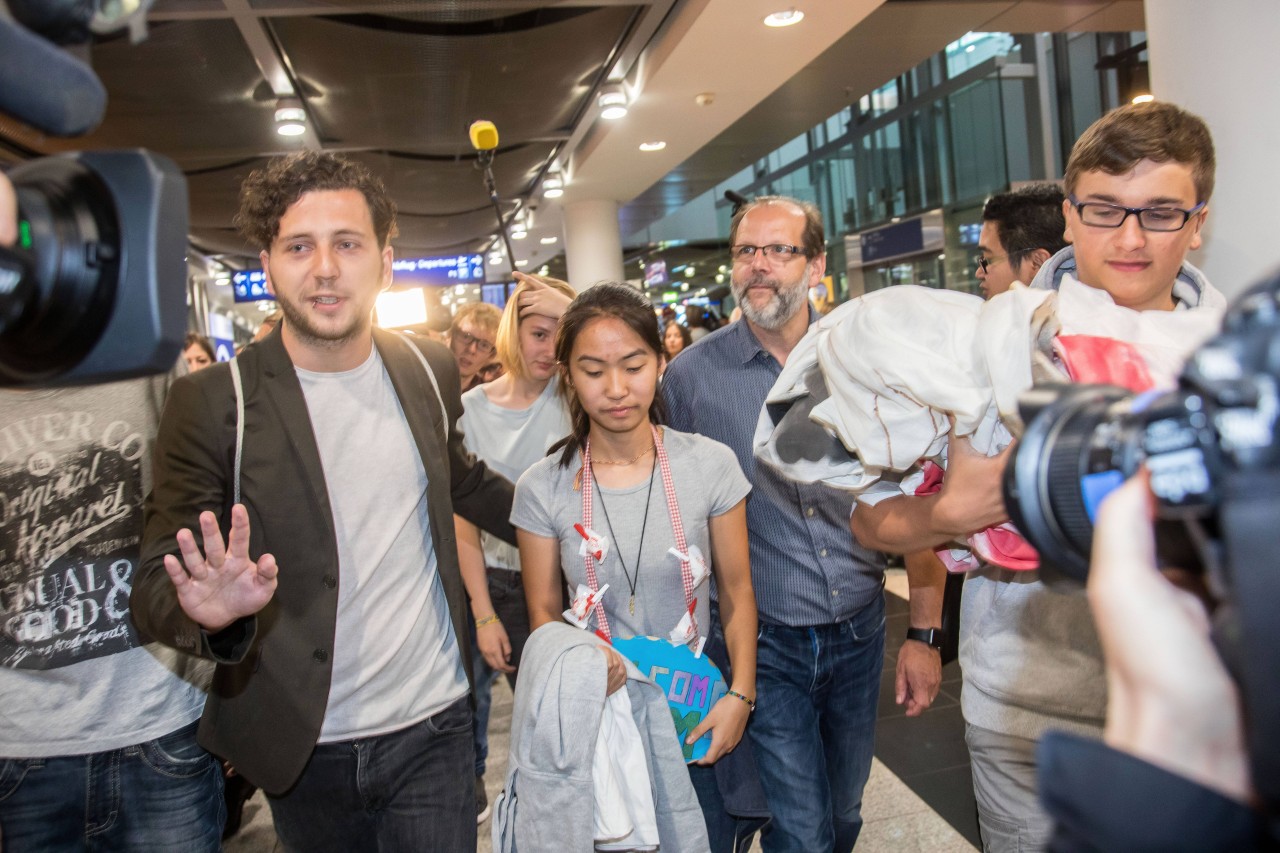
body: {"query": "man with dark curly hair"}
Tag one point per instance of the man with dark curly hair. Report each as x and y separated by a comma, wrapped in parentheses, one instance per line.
(329, 455)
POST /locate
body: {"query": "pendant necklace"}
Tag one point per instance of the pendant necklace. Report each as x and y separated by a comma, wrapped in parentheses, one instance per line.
(631, 581)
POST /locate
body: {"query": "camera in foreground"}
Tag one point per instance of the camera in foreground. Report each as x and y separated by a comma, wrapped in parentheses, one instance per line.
(94, 289)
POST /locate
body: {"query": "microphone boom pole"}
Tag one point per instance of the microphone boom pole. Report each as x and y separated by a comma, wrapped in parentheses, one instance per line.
(484, 138)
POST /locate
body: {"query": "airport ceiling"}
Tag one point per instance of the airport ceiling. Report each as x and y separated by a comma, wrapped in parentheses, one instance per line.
(395, 85)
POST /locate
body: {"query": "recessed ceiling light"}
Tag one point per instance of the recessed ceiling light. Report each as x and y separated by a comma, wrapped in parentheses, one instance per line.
(547, 241)
(495, 259)
(522, 263)
(656, 145)
(1143, 99)
(519, 234)
(784, 19)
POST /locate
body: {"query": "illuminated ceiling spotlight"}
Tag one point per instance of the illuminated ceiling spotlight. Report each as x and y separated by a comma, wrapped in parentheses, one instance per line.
(1143, 99)
(547, 241)
(518, 233)
(612, 101)
(553, 185)
(656, 145)
(291, 118)
(784, 19)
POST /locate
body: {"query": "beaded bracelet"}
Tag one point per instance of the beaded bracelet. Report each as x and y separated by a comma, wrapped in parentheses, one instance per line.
(488, 620)
(750, 702)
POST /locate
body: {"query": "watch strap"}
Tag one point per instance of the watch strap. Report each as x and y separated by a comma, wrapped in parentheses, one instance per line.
(928, 636)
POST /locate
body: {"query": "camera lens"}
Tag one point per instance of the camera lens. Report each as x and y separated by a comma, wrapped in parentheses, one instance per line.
(66, 266)
(1072, 454)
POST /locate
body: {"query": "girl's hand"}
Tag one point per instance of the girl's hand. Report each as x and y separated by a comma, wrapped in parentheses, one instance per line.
(541, 298)
(726, 721)
(617, 670)
(494, 644)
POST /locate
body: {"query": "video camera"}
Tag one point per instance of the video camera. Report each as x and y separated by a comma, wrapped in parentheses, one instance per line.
(1212, 452)
(93, 289)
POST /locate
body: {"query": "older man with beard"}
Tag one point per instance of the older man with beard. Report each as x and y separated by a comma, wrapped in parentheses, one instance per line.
(819, 593)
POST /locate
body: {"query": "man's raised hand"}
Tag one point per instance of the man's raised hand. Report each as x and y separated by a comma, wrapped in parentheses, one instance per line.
(222, 585)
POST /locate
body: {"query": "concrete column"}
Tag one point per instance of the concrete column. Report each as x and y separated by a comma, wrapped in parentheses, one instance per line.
(1213, 59)
(592, 242)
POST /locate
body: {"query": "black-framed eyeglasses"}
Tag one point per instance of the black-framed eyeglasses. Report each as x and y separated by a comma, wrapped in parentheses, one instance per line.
(1102, 215)
(467, 340)
(775, 252)
(983, 262)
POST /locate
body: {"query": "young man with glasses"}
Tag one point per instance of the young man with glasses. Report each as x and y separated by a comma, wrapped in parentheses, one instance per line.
(818, 592)
(471, 338)
(1138, 182)
(1021, 229)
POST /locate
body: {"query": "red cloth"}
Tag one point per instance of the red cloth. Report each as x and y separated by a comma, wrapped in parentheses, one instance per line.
(1090, 359)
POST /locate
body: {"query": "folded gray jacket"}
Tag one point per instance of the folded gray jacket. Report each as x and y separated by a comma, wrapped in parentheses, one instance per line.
(548, 801)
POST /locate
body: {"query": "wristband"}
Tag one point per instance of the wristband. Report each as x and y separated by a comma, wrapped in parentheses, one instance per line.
(488, 620)
(750, 702)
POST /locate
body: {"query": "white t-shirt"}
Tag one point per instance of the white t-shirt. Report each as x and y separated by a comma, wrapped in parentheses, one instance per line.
(509, 441)
(395, 658)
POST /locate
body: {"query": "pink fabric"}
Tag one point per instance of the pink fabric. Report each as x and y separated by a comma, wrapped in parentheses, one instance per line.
(1091, 359)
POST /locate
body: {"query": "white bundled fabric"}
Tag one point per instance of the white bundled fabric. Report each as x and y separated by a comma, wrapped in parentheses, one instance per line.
(896, 363)
(624, 813)
(883, 373)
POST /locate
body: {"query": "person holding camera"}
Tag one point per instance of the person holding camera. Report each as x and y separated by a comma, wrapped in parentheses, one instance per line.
(98, 744)
(1172, 772)
(1137, 183)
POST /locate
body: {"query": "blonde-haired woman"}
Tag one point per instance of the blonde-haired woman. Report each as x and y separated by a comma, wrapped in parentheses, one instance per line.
(509, 423)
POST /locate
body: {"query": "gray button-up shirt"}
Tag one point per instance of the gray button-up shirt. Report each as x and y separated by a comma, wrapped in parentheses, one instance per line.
(805, 565)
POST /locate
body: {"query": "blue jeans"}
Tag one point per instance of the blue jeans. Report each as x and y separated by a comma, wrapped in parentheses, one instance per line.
(407, 790)
(161, 795)
(814, 728)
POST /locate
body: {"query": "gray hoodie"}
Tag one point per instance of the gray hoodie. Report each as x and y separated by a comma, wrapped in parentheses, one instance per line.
(1030, 654)
(548, 801)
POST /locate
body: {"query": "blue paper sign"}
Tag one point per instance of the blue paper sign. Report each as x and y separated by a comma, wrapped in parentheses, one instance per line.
(692, 685)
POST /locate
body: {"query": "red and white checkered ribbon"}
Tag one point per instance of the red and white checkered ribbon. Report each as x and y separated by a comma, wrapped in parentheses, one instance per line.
(673, 511)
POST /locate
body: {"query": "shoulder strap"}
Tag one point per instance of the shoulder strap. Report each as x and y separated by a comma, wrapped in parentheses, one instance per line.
(237, 384)
(435, 386)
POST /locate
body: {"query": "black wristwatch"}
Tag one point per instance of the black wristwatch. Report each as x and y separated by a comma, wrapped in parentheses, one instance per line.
(929, 636)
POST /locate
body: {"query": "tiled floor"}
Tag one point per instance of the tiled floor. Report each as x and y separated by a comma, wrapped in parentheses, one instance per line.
(919, 797)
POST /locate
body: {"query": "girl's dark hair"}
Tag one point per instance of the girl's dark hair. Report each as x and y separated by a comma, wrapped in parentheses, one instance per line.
(197, 339)
(601, 301)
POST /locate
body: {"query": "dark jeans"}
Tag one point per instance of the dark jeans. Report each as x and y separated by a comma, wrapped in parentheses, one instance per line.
(506, 589)
(408, 790)
(162, 795)
(814, 728)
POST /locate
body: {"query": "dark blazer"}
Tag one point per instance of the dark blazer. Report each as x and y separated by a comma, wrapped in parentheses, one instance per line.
(271, 686)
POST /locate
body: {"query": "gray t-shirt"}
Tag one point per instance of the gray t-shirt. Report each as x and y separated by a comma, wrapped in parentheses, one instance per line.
(395, 658)
(75, 464)
(708, 483)
(509, 441)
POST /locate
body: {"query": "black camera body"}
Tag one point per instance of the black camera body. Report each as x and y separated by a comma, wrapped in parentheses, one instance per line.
(97, 280)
